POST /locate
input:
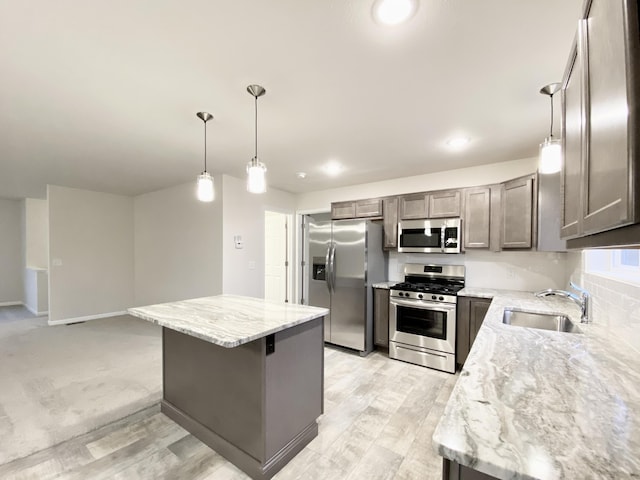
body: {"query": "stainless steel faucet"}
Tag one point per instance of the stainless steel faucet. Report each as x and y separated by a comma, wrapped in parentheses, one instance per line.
(582, 301)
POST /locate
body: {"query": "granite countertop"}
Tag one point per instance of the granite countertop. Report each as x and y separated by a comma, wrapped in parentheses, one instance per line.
(385, 285)
(228, 320)
(535, 404)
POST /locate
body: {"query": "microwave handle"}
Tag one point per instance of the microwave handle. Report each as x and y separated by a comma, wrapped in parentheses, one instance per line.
(442, 239)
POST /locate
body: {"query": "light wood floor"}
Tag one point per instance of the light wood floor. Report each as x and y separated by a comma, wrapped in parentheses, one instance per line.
(379, 417)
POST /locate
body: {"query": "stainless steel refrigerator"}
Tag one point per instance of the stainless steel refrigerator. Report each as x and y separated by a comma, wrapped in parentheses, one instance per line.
(345, 258)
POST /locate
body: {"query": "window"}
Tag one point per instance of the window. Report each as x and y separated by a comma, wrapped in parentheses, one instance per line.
(621, 265)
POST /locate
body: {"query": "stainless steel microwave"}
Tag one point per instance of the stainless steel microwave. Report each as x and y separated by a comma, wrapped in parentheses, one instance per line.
(437, 235)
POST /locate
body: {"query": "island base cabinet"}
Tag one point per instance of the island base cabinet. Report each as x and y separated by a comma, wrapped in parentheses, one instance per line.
(255, 404)
(454, 471)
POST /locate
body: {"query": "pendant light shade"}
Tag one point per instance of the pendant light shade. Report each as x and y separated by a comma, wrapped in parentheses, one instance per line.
(256, 170)
(550, 156)
(551, 148)
(204, 189)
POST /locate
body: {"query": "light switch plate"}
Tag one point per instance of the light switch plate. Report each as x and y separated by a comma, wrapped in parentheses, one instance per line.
(237, 241)
(57, 262)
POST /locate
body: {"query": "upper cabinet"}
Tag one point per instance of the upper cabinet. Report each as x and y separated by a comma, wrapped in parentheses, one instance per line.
(414, 206)
(477, 217)
(518, 212)
(390, 222)
(444, 204)
(600, 106)
(370, 208)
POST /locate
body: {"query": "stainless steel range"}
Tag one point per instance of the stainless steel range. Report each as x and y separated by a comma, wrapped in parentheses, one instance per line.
(422, 315)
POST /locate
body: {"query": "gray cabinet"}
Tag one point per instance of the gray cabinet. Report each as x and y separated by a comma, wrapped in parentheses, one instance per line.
(607, 193)
(454, 471)
(369, 208)
(381, 317)
(414, 206)
(518, 212)
(470, 314)
(477, 217)
(341, 210)
(445, 204)
(390, 222)
(601, 104)
(572, 133)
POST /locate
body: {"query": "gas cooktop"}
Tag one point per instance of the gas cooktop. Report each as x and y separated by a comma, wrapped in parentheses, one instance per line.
(438, 288)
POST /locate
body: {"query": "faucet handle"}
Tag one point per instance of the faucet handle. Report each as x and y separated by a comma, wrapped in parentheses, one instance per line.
(578, 288)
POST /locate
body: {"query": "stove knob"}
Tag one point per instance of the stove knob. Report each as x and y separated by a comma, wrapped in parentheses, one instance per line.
(433, 297)
(441, 298)
(419, 295)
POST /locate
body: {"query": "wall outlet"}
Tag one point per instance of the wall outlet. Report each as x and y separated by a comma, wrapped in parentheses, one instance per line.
(237, 241)
(252, 265)
(57, 262)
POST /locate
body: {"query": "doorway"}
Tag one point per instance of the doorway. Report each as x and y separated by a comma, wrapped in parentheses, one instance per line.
(277, 256)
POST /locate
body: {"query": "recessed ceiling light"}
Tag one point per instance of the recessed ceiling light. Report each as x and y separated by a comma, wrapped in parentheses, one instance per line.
(301, 175)
(333, 168)
(394, 12)
(458, 143)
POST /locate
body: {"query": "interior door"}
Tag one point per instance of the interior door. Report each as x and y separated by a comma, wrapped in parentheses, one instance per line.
(319, 239)
(348, 302)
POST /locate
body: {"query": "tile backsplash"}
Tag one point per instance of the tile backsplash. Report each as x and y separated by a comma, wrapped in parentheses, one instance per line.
(614, 303)
(509, 270)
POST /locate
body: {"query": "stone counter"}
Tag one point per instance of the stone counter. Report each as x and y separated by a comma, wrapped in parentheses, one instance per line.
(535, 404)
(228, 320)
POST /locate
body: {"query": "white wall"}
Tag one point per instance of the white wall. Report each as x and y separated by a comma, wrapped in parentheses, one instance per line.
(243, 214)
(91, 254)
(36, 233)
(178, 245)
(11, 251)
(484, 269)
(465, 177)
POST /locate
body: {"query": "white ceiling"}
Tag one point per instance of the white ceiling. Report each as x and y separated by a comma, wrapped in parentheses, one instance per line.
(103, 95)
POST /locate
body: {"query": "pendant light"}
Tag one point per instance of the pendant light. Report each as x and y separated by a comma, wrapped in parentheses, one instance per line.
(256, 170)
(551, 148)
(205, 190)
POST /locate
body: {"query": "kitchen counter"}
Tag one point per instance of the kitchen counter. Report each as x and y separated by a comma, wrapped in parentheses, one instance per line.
(244, 375)
(228, 320)
(384, 285)
(535, 404)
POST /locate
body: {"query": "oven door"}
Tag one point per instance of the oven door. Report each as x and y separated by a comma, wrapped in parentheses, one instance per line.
(423, 324)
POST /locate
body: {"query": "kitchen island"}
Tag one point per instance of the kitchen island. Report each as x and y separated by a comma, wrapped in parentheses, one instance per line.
(244, 375)
(537, 404)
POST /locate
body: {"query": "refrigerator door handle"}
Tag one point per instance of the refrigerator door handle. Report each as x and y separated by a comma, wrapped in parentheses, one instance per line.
(327, 268)
(333, 267)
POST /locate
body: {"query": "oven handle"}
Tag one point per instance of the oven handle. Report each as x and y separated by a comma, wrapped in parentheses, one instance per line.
(439, 307)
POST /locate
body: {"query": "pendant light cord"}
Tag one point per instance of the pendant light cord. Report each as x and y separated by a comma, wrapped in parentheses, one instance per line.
(256, 124)
(205, 146)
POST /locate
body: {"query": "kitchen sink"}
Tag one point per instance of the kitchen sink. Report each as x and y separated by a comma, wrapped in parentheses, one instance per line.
(542, 321)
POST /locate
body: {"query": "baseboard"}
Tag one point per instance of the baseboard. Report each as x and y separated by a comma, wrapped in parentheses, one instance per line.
(66, 321)
(35, 312)
(9, 304)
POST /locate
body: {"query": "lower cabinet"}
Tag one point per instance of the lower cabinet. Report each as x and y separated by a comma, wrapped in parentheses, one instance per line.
(470, 315)
(454, 471)
(381, 317)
